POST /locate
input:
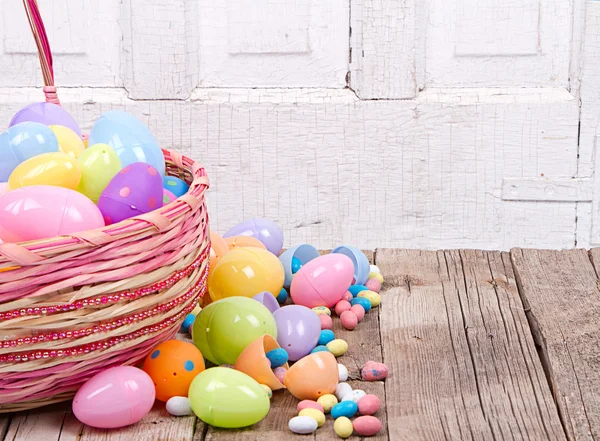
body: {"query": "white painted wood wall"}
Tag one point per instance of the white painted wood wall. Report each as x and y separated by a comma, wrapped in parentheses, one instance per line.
(400, 123)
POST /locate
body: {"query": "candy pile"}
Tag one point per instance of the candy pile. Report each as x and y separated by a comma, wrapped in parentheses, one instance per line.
(45, 162)
(266, 326)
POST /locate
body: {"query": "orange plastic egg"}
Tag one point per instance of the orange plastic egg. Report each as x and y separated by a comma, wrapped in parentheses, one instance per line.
(313, 376)
(218, 248)
(244, 241)
(173, 365)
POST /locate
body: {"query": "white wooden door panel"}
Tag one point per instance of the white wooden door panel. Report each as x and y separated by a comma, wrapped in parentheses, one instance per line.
(85, 38)
(266, 43)
(498, 43)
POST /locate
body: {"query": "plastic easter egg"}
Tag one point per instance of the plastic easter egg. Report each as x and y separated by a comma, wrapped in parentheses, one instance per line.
(43, 211)
(343, 427)
(130, 138)
(57, 169)
(267, 231)
(228, 398)
(46, 113)
(175, 185)
(294, 258)
(322, 281)
(179, 406)
(99, 164)
(224, 328)
(267, 299)
(218, 248)
(355, 289)
(362, 301)
(22, 142)
(312, 376)
(344, 408)
(4, 188)
(135, 190)
(172, 365)
(168, 197)
(298, 330)
(69, 142)
(359, 260)
(316, 414)
(234, 242)
(245, 272)
(281, 298)
(115, 397)
(369, 404)
(366, 425)
(326, 336)
(309, 404)
(256, 362)
(327, 401)
(303, 425)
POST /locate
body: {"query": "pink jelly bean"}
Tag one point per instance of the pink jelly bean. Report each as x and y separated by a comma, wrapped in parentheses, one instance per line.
(348, 296)
(342, 306)
(373, 285)
(366, 425)
(280, 373)
(359, 311)
(349, 320)
(310, 404)
(373, 371)
(369, 404)
(326, 321)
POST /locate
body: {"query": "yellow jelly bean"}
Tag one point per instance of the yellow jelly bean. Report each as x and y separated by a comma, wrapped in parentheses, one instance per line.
(327, 401)
(322, 310)
(343, 427)
(315, 414)
(377, 276)
(371, 296)
(68, 141)
(337, 347)
(268, 391)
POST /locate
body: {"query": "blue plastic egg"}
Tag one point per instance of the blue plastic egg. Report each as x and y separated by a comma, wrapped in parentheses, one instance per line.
(365, 303)
(282, 297)
(326, 336)
(277, 357)
(355, 289)
(320, 348)
(175, 185)
(345, 408)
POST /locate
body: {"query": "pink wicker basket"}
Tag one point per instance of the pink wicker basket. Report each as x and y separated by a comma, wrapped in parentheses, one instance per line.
(71, 306)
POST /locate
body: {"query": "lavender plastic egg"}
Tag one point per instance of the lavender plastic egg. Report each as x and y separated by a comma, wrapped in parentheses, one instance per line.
(268, 300)
(135, 190)
(267, 231)
(298, 330)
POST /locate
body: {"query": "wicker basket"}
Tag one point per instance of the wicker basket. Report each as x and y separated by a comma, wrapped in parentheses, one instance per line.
(72, 306)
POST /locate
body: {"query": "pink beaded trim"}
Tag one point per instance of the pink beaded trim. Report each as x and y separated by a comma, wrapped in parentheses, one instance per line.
(101, 345)
(55, 336)
(112, 298)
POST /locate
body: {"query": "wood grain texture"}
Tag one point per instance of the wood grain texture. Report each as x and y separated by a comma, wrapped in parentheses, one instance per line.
(40, 424)
(560, 292)
(468, 369)
(332, 169)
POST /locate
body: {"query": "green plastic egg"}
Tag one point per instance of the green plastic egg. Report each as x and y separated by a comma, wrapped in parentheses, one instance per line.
(224, 328)
(228, 398)
(99, 164)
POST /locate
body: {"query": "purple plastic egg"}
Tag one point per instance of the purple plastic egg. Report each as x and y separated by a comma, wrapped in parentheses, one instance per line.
(135, 190)
(47, 114)
(267, 231)
(298, 330)
(268, 300)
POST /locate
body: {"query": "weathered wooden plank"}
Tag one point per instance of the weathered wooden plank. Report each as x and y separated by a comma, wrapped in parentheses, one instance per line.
(38, 424)
(561, 296)
(462, 364)
(4, 423)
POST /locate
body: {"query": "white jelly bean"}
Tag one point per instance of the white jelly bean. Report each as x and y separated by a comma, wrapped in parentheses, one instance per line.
(355, 396)
(179, 406)
(342, 390)
(303, 424)
(374, 269)
(342, 372)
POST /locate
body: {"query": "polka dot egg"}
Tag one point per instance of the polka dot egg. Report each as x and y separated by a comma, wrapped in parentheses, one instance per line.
(135, 190)
(172, 365)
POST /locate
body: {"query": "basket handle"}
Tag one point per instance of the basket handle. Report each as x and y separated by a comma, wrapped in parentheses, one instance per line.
(43, 46)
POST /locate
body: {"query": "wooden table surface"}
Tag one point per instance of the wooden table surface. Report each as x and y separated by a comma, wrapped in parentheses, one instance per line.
(481, 346)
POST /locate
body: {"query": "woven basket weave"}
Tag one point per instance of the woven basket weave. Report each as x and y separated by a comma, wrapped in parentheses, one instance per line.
(72, 306)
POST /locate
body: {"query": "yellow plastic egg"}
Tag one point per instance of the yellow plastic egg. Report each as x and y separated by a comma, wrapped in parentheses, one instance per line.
(343, 427)
(337, 347)
(56, 168)
(315, 414)
(377, 276)
(322, 310)
(68, 141)
(371, 296)
(99, 164)
(327, 401)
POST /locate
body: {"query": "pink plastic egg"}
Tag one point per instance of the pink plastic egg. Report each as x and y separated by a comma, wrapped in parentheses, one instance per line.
(322, 281)
(349, 320)
(116, 397)
(359, 311)
(43, 211)
(135, 190)
(369, 404)
(366, 425)
(326, 321)
(3, 188)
